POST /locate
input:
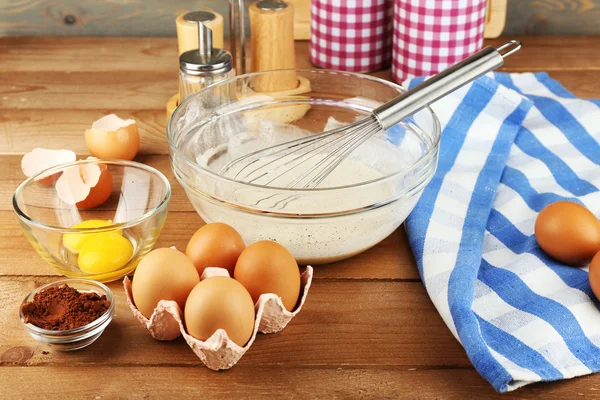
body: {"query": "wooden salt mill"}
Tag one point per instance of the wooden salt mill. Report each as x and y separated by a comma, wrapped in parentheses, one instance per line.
(272, 28)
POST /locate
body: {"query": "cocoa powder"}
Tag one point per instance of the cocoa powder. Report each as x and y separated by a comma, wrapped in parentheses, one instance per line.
(63, 307)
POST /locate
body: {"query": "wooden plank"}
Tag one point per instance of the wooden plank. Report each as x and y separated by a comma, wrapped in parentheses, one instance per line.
(140, 90)
(88, 54)
(393, 256)
(11, 176)
(582, 84)
(85, 54)
(24, 129)
(391, 259)
(61, 110)
(544, 53)
(272, 382)
(495, 18)
(350, 323)
(98, 18)
(549, 17)
(144, 90)
(157, 18)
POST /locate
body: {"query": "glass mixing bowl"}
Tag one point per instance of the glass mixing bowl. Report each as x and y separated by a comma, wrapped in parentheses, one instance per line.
(136, 209)
(363, 200)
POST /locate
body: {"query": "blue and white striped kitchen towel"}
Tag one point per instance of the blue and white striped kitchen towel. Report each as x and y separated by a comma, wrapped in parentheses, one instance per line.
(511, 144)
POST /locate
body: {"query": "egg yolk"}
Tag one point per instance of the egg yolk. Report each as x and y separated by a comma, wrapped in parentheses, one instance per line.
(105, 252)
(75, 241)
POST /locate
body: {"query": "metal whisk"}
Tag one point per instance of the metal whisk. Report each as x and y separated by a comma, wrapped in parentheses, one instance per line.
(306, 162)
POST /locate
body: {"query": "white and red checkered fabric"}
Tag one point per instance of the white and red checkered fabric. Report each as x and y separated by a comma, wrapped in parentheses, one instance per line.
(430, 35)
(351, 35)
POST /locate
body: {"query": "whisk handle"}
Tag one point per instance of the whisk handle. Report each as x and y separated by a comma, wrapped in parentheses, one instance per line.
(445, 82)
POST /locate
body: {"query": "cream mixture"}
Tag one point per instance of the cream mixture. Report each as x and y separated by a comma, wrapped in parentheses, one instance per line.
(321, 239)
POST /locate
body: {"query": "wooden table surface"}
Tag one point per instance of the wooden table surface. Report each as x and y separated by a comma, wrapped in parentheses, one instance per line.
(368, 329)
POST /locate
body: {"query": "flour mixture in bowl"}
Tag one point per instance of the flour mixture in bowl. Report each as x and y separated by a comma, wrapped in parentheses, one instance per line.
(363, 200)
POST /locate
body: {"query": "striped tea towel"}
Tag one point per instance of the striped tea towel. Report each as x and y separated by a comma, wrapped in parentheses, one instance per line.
(511, 144)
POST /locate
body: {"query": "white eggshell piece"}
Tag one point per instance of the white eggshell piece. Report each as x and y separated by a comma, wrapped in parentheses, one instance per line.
(275, 316)
(40, 159)
(111, 123)
(162, 324)
(90, 174)
(218, 352)
(213, 271)
(75, 182)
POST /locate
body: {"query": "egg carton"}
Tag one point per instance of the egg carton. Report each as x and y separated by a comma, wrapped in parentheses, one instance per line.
(219, 352)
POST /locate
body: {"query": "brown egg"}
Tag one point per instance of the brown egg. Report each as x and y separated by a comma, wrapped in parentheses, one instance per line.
(113, 138)
(220, 303)
(569, 232)
(163, 274)
(215, 245)
(594, 275)
(268, 267)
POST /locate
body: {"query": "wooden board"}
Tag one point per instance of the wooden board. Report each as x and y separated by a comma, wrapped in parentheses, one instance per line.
(301, 19)
(548, 17)
(273, 382)
(29, 91)
(157, 17)
(363, 316)
(392, 256)
(368, 329)
(495, 18)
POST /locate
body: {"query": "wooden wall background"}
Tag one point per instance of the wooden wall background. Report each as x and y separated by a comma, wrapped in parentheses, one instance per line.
(157, 17)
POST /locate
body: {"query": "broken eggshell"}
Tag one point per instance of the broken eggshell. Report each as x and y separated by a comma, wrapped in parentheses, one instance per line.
(219, 352)
(111, 137)
(40, 159)
(76, 184)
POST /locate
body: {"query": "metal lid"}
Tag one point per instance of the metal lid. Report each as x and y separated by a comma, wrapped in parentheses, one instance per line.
(205, 60)
(199, 16)
(271, 5)
(218, 62)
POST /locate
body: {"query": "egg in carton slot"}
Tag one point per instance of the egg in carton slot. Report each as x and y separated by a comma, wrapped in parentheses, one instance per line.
(219, 352)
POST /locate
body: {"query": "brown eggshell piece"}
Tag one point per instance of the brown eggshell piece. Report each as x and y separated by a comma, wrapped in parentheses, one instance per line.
(100, 192)
(40, 159)
(75, 182)
(113, 138)
(218, 352)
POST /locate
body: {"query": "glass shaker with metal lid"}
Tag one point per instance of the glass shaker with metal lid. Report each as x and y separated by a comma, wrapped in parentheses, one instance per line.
(206, 65)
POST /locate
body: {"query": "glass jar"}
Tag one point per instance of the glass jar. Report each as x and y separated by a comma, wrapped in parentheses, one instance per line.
(204, 66)
(190, 84)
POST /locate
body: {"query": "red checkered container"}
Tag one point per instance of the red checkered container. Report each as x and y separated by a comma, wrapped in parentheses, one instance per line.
(351, 35)
(431, 35)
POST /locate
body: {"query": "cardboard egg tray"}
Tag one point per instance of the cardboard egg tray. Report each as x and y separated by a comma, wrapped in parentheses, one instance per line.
(218, 352)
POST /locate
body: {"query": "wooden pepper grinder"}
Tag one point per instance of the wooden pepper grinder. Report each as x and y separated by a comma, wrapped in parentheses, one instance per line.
(272, 29)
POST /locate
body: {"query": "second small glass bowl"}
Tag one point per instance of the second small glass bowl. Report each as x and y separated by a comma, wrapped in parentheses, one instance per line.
(78, 338)
(137, 208)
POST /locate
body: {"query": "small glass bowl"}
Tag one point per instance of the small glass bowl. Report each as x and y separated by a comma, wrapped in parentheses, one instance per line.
(137, 207)
(78, 338)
